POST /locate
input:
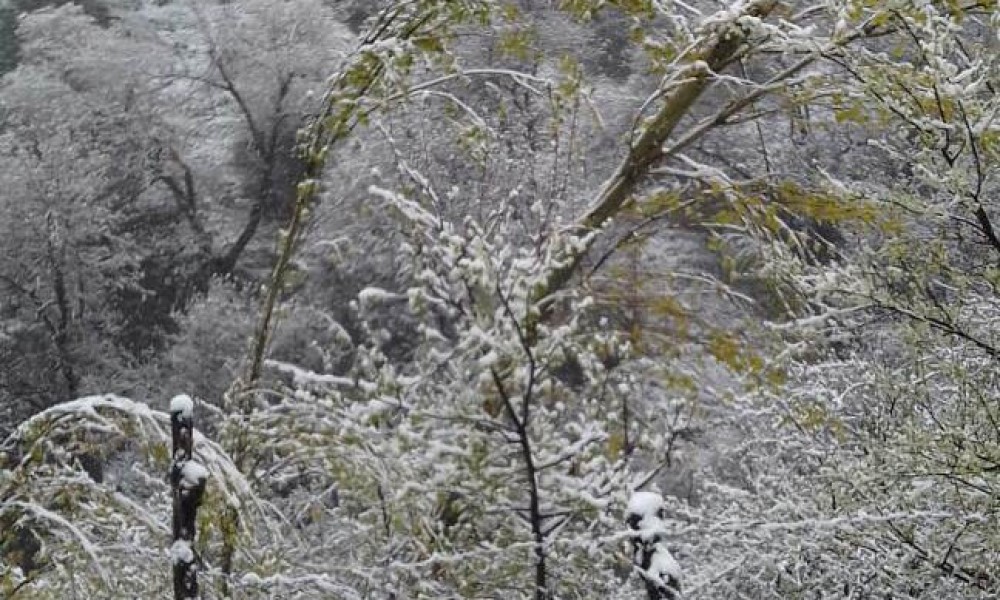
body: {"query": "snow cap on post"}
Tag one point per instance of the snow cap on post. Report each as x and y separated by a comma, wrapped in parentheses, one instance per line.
(656, 565)
(181, 552)
(645, 504)
(644, 512)
(182, 404)
(193, 475)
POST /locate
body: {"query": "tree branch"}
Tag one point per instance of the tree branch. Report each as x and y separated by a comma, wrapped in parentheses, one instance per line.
(714, 52)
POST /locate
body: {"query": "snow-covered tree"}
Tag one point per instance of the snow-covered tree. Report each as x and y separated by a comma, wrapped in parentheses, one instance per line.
(143, 155)
(505, 338)
(895, 369)
(537, 347)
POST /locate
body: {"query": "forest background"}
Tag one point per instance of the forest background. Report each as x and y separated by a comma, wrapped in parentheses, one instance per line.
(451, 280)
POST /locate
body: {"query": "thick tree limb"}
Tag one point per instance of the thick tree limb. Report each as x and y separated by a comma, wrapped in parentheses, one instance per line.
(713, 54)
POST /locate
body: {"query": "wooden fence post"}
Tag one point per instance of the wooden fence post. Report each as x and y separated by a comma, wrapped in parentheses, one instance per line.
(187, 482)
(659, 571)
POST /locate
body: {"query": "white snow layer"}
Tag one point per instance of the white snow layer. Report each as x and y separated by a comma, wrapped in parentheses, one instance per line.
(192, 474)
(182, 404)
(663, 565)
(181, 552)
(303, 377)
(645, 504)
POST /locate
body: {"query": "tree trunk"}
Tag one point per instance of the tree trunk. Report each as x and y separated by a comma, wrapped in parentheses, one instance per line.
(60, 328)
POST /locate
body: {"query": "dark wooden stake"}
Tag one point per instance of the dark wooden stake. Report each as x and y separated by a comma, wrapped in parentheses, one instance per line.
(645, 546)
(187, 482)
